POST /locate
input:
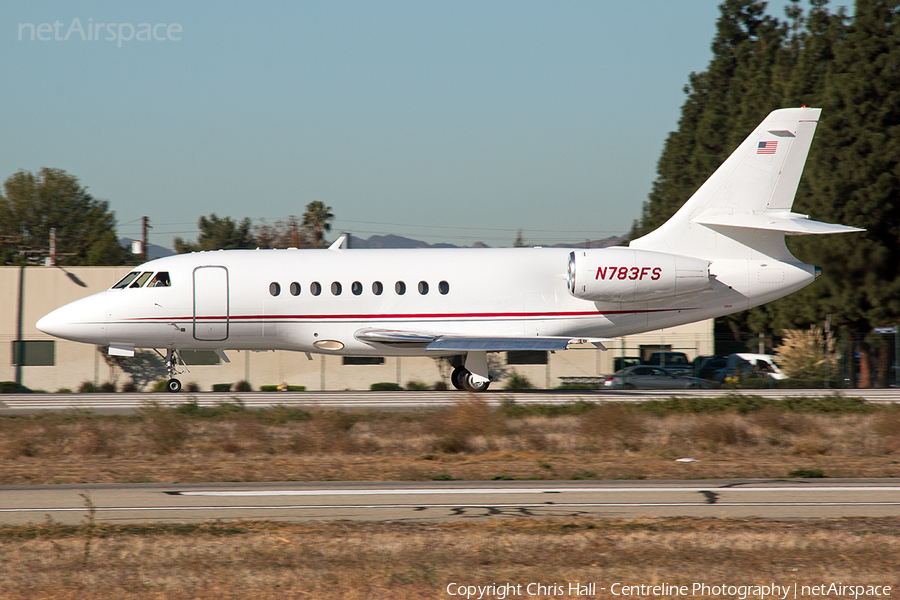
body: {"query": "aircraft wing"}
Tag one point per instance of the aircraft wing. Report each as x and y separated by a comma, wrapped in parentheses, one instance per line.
(465, 343)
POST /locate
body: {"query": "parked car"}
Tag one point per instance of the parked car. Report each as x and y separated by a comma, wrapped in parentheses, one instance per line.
(748, 365)
(676, 362)
(644, 377)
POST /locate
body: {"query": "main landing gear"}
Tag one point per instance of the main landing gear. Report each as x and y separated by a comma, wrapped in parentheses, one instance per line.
(462, 379)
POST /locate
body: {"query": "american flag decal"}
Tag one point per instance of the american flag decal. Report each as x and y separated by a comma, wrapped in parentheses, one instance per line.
(767, 147)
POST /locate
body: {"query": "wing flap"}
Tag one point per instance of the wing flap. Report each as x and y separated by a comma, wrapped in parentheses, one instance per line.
(467, 343)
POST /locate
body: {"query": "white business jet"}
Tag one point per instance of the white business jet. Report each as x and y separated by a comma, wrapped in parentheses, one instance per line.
(722, 252)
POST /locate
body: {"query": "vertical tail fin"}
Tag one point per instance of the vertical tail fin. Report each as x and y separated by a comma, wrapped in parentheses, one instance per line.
(744, 209)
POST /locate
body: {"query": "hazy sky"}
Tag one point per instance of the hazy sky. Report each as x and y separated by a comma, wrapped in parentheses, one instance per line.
(447, 121)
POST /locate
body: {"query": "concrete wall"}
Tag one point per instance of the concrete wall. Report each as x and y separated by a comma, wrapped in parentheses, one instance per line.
(48, 288)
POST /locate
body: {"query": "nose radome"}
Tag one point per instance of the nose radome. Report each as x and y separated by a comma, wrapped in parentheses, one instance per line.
(80, 321)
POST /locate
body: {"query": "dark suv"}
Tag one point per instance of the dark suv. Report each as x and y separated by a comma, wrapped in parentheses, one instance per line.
(674, 362)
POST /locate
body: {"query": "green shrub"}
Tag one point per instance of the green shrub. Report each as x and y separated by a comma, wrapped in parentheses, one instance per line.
(243, 386)
(509, 408)
(385, 386)
(9, 387)
(417, 386)
(87, 387)
(807, 474)
(221, 387)
(517, 382)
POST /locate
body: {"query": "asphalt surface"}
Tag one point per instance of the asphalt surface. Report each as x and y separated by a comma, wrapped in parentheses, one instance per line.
(449, 501)
(126, 403)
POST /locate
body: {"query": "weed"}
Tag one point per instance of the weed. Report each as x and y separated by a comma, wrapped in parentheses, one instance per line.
(583, 474)
(164, 428)
(92, 439)
(456, 426)
(719, 431)
(807, 474)
(613, 421)
(19, 438)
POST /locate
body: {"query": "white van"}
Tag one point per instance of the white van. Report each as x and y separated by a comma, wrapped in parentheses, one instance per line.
(745, 364)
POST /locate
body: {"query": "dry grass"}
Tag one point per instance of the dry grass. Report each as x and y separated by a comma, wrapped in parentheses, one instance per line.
(400, 561)
(250, 560)
(467, 441)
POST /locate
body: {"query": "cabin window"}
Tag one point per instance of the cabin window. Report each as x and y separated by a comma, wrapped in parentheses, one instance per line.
(142, 279)
(356, 288)
(377, 288)
(400, 288)
(274, 288)
(123, 283)
(295, 289)
(315, 288)
(423, 287)
(444, 288)
(161, 279)
(336, 288)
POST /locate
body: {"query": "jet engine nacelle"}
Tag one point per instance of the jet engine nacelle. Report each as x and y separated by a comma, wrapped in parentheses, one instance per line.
(626, 275)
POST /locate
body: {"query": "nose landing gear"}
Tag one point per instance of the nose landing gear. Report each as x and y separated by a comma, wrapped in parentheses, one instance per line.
(173, 385)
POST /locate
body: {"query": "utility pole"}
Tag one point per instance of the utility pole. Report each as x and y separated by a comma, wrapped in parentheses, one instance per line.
(51, 259)
(145, 225)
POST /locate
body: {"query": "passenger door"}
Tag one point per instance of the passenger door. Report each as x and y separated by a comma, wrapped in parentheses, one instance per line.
(211, 303)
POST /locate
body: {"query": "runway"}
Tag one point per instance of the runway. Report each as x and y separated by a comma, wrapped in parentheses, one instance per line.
(450, 501)
(125, 403)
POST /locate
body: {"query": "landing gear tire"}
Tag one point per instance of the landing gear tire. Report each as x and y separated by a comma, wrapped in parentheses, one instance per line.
(173, 385)
(457, 377)
(470, 384)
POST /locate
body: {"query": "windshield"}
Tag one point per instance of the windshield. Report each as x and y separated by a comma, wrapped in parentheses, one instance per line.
(126, 280)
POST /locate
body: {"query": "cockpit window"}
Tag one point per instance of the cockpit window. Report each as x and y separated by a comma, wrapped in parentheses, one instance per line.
(126, 280)
(142, 279)
(161, 279)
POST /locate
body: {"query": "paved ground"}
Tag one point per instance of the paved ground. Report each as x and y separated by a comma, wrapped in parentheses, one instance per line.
(126, 403)
(450, 501)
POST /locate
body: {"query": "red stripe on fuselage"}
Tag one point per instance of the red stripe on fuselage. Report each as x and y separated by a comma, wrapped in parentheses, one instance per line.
(416, 317)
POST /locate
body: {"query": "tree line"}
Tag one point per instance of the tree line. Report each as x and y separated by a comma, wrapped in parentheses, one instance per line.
(32, 205)
(850, 67)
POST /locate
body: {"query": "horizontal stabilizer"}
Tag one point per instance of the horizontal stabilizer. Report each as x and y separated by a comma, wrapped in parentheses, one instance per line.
(786, 222)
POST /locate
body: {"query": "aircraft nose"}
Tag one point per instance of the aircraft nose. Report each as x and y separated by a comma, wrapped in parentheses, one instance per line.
(80, 321)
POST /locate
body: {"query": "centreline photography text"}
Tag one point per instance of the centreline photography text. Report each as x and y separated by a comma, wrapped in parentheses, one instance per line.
(697, 589)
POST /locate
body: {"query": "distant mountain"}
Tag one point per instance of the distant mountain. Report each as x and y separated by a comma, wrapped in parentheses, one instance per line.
(397, 241)
(393, 241)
